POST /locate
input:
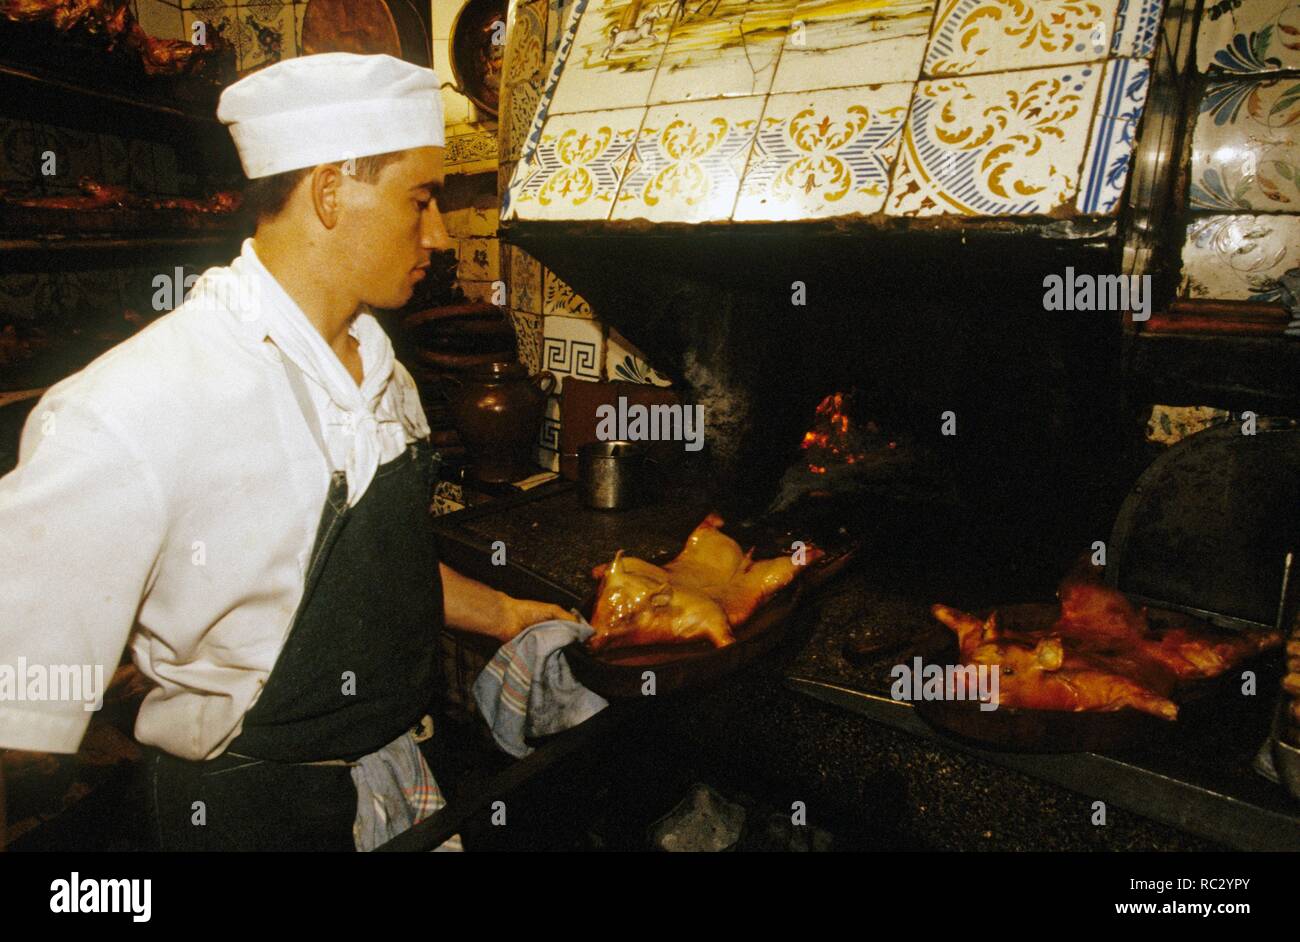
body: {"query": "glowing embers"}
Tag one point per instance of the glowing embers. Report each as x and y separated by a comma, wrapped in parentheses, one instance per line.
(842, 454)
(833, 439)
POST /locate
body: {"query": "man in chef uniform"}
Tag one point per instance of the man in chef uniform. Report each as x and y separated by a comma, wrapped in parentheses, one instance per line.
(240, 494)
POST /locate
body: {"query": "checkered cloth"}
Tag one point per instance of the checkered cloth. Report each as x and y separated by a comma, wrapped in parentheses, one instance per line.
(395, 791)
(527, 689)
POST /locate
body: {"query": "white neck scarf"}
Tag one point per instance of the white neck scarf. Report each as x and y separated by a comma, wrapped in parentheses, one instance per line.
(352, 428)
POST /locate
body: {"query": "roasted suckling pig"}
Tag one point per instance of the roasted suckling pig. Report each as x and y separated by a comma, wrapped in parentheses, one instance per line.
(1101, 654)
(113, 22)
(707, 590)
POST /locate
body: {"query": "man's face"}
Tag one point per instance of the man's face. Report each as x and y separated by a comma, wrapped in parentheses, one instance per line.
(388, 228)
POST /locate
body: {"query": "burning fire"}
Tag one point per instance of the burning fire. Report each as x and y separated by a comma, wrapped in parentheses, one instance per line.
(833, 438)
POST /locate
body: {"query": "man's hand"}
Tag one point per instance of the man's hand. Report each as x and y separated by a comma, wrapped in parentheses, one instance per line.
(524, 613)
(471, 606)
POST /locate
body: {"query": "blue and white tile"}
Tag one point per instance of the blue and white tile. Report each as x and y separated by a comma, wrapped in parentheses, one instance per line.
(1240, 257)
(688, 161)
(626, 363)
(825, 153)
(572, 346)
(732, 52)
(1246, 146)
(548, 437)
(1137, 24)
(970, 37)
(1253, 36)
(1114, 130)
(611, 60)
(1010, 143)
(574, 171)
(834, 43)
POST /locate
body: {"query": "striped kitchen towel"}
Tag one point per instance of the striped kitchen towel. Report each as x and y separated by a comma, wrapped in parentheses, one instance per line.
(528, 690)
(395, 791)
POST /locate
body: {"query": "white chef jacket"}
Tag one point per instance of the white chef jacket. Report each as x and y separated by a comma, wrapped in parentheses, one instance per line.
(167, 497)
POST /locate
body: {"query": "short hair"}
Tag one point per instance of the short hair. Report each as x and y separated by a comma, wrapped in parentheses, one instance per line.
(267, 196)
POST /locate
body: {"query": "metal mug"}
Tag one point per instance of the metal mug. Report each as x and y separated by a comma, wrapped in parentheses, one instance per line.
(612, 474)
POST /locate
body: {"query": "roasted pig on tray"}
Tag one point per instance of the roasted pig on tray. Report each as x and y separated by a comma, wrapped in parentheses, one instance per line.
(1101, 654)
(705, 592)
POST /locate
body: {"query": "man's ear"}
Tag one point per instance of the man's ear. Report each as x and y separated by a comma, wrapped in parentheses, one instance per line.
(325, 183)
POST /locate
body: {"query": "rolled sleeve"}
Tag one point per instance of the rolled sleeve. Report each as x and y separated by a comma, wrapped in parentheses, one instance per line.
(81, 526)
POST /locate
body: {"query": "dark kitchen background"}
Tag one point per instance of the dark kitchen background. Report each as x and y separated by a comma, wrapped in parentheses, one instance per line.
(921, 295)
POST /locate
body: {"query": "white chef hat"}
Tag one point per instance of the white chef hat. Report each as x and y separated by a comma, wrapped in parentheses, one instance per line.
(328, 107)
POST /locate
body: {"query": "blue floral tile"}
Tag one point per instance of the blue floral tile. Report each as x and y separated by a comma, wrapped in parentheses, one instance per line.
(826, 153)
(1110, 149)
(1246, 146)
(1009, 143)
(1243, 36)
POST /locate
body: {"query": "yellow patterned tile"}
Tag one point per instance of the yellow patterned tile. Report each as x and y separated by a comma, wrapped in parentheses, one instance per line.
(575, 170)
(688, 161)
(825, 153)
(974, 36)
(989, 145)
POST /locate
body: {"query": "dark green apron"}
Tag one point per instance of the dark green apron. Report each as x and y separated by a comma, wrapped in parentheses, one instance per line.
(358, 668)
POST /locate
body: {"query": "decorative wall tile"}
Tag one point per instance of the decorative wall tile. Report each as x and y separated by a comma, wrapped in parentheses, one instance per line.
(548, 438)
(267, 28)
(824, 153)
(731, 50)
(973, 36)
(688, 161)
(1008, 143)
(1240, 257)
(559, 298)
(471, 221)
(1250, 36)
(575, 170)
(477, 260)
(523, 78)
(624, 362)
(1110, 148)
(528, 338)
(613, 56)
(217, 18)
(853, 42)
(1246, 147)
(160, 19)
(571, 346)
(1137, 24)
(525, 280)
